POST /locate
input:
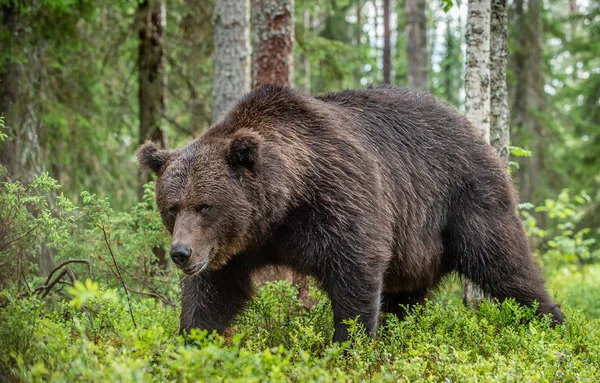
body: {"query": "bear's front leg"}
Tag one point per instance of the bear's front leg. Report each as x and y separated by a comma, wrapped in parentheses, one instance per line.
(211, 299)
(354, 292)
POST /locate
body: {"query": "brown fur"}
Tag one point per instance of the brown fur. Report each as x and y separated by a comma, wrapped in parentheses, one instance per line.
(377, 193)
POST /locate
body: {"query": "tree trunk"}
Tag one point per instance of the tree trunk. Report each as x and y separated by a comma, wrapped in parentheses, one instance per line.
(21, 153)
(152, 77)
(273, 42)
(272, 63)
(528, 97)
(231, 54)
(9, 79)
(387, 49)
(152, 87)
(416, 44)
(535, 102)
(499, 120)
(477, 89)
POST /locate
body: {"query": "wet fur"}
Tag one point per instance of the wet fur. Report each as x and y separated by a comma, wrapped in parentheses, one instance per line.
(376, 193)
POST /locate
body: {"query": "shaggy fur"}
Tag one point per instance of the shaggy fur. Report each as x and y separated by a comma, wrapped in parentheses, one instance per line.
(377, 193)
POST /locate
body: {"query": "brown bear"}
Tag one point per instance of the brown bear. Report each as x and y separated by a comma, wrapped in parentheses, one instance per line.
(377, 193)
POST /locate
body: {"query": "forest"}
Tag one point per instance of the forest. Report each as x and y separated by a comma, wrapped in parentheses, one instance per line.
(88, 290)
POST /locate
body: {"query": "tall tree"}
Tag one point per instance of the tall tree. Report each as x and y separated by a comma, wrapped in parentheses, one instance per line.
(387, 49)
(273, 42)
(416, 34)
(527, 99)
(272, 63)
(152, 76)
(231, 53)
(9, 77)
(152, 87)
(499, 120)
(21, 153)
(477, 89)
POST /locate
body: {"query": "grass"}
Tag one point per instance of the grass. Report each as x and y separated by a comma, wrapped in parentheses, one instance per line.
(92, 338)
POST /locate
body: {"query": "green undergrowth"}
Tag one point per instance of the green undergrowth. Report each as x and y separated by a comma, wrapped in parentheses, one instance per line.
(91, 337)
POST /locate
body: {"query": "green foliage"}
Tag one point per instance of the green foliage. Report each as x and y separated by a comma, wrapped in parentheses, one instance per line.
(27, 218)
(443, 340)
(564, 240)
(3, 135)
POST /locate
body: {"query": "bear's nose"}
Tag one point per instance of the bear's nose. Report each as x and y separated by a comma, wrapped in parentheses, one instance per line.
(180, 254)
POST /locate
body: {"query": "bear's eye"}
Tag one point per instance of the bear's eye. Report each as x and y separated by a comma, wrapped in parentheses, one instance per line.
(202, 209)
(172, 211)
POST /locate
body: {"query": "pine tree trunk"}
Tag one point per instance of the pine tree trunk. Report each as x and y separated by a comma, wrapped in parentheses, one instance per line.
(387, 49)
(21, 153)
(499, 120)
(535, 102)
(416, 44)
(273, 42)
(272, 63)
(231, 54)
(9, 80)
(477, 89)
(527, 97)
(152, 75)
(152, 87)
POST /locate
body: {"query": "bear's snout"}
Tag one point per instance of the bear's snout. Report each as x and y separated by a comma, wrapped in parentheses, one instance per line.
(180, 255)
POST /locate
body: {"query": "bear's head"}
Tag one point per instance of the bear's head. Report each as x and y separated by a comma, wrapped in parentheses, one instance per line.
(209, 197)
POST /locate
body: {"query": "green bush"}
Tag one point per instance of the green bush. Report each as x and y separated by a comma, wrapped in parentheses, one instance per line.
(443, 341)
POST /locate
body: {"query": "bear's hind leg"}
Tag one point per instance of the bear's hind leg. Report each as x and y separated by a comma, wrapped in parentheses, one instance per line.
(494, 253)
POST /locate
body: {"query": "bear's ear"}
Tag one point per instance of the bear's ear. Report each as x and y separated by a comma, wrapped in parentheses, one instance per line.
(244, 151)
(151, 157)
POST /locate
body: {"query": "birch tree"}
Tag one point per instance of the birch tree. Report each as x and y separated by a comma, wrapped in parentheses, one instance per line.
(499, 120)
(477, 89)
(231, 54)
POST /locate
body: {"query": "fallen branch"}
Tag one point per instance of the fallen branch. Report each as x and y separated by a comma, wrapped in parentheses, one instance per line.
(49, 284)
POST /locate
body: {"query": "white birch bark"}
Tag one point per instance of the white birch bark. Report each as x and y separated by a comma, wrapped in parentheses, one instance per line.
(477, 89)
(477, 72)
(231, 54)
(499, 118)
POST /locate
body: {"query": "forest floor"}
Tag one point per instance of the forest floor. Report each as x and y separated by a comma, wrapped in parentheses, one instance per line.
(91, 337)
